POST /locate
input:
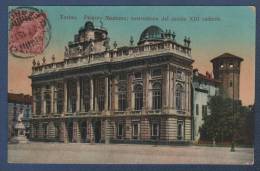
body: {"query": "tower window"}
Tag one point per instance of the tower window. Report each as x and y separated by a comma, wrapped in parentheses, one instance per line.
(204, 110)
(230, 84)
(197, 109)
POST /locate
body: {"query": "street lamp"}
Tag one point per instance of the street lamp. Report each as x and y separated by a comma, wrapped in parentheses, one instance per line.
(233, 119)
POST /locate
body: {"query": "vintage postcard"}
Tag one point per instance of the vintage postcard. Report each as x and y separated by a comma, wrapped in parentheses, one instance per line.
(131, 84)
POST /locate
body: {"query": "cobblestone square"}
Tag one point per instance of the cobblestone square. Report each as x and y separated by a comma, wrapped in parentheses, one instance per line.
(79, 153)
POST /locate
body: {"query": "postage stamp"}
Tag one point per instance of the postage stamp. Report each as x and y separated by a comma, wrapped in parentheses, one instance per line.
(29, 32)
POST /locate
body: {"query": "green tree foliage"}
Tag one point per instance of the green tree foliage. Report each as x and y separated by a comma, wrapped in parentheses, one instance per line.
(220, 124)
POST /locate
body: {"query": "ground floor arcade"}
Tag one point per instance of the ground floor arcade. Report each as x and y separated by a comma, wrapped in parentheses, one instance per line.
(123, 129)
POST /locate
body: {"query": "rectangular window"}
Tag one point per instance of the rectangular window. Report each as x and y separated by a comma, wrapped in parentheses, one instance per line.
(122, 76)
(120, 130)
(179, 75)
(204, 110)
(180, 130)
(197, 109)
(157, 99)
(138, 100)
(135, 130)
(155, 130)
(122, 101)
(156, 72)
(138, 75)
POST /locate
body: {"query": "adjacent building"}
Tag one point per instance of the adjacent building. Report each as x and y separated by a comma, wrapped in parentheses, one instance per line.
(17, 103)
(203, 88)
(132, 94)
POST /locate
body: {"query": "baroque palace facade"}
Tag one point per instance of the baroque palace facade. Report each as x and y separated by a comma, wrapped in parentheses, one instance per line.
(133, 94)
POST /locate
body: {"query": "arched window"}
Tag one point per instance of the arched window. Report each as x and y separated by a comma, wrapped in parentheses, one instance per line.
(157, 96)
(179, 96)
(48, 103)
(138, 90)
(100, 93)
(72, 96)
(85, 95)
(122, 97)
(47, 96)
(59, 96)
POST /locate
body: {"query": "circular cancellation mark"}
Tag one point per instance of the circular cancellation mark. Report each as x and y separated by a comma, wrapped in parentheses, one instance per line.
(29, 32)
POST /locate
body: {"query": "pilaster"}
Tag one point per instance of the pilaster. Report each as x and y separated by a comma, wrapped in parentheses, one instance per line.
(78, 96)
(106, 93)
(65, 97)
(91, 94)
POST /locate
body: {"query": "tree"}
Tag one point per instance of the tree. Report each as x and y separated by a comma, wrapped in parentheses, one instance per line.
(220, 125)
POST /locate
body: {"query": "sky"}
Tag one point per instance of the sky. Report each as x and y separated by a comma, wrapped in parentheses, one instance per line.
(232, 31)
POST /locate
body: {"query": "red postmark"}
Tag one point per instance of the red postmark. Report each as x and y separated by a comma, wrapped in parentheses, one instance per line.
(29, 32)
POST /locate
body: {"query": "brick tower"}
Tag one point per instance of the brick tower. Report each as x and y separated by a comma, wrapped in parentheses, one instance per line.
(226, 68)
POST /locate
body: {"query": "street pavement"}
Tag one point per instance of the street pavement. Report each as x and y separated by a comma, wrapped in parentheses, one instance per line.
(79, 153)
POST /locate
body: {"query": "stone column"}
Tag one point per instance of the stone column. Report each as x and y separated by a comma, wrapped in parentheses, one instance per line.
(170, 89)
(113, 95)
(145, 90)
(129, 92)
(78, 96)
(173, 88)
(52, 99)
(95, 100)
(110, 93)
(65, 97)
(106, 93)
(91, 94)
(43, 108)
(186, 92)
(34, 103)
(167, 84)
